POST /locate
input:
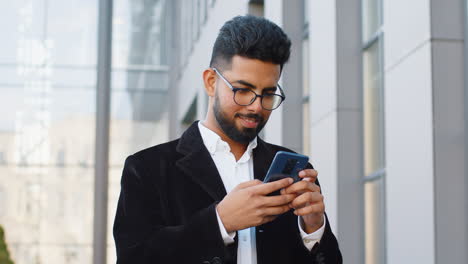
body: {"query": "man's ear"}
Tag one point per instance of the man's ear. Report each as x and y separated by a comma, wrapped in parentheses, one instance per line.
(209, 80)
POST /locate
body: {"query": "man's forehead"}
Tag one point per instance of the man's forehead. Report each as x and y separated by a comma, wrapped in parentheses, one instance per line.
(254, 68)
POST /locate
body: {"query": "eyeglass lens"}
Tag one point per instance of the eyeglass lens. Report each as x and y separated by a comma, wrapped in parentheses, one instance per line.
(247, 97)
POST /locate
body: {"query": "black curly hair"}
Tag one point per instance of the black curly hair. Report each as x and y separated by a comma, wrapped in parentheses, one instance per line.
(252, 37)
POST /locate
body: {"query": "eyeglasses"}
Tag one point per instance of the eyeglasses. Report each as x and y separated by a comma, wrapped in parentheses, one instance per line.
(245, 96)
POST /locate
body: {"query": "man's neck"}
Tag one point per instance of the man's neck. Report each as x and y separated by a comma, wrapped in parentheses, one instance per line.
(238, 149)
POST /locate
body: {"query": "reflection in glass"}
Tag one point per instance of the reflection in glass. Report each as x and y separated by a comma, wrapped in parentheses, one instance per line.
(373, 111)
(374, 222)
(140, 74)
(140, 83)
(47, 137)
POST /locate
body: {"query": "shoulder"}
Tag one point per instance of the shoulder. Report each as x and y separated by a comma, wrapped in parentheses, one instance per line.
(272, 147)
(164, 151)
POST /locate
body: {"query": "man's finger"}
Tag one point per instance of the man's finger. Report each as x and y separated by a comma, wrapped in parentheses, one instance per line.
(309, 173)
(277, 210)
(306, 199)
(247, 184)
(270, 187)
(279, 199)
(317, 208)
(302, 186)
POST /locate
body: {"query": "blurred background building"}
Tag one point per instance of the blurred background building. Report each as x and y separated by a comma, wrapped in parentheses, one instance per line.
(376, 95)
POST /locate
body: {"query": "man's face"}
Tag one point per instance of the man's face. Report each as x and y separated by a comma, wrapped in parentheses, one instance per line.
(243, 123)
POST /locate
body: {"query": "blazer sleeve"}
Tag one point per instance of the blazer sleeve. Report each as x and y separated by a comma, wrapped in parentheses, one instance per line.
(327, 250)
(142, 234)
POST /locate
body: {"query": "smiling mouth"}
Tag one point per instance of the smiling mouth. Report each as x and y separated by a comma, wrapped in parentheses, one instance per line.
(249, 121)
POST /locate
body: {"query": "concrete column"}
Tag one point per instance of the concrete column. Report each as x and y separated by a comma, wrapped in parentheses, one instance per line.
(336, 117)
(293, 25)
(450, 182)
(350, 201)
(273, 10)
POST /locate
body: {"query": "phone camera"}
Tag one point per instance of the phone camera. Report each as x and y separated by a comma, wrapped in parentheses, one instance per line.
(290, 164)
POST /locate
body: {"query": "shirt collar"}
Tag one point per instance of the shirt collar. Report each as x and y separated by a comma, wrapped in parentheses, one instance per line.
(214, 143)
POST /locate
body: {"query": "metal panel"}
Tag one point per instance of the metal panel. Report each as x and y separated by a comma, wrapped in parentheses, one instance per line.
(293, 22)
(350, 130)
(102, 131)
(450, 206)
(448, 74)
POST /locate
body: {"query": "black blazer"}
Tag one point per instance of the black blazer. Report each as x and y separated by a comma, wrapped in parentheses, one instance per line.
(166, 210)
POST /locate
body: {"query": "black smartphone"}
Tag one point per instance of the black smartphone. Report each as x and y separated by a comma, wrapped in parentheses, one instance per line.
(286, 164)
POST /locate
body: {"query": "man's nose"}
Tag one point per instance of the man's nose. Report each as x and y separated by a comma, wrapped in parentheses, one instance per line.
(256, 106)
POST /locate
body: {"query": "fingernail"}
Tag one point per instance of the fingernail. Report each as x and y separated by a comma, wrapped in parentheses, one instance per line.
(290, 180)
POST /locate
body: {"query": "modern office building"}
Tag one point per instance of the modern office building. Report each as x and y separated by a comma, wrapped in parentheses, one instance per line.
(376, 96)
(48, 69)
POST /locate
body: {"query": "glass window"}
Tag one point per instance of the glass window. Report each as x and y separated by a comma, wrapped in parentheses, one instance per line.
(47, 140)
(48, 68)
(373, 110)
(139, 94)
(374, 138)
(306, 11)
(306, 129)
(372, 18)
(305, 97)
(374, 221)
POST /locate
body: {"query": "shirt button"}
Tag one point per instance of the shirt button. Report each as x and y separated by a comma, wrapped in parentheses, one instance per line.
(306, 240)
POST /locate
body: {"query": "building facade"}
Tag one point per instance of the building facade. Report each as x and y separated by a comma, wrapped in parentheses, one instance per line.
(48, 69)
(376, 92)
(376, 96)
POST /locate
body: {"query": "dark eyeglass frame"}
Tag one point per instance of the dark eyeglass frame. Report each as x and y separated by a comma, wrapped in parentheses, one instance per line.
(235, 89)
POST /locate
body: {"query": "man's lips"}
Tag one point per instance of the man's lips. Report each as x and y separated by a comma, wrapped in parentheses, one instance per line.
(249, 121)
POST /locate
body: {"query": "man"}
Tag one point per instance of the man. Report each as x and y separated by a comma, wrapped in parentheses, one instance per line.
(200, 198)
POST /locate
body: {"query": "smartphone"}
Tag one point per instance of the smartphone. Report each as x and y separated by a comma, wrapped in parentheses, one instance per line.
(286, 164)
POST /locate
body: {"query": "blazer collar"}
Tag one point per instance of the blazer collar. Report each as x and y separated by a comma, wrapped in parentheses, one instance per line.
(198, 164)
(263, 155)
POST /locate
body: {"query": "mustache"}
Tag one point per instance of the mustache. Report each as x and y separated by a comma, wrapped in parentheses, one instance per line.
(257, 118)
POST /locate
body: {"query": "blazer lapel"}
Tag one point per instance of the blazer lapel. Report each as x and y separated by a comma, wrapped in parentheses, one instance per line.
(263, 156)
(197, 163)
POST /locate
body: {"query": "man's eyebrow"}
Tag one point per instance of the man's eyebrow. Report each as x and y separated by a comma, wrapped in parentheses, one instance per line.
(273, 88)
(268, 89)
(245, 83)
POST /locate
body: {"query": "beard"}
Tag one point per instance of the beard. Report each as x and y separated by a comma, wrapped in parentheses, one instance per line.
(244, 135)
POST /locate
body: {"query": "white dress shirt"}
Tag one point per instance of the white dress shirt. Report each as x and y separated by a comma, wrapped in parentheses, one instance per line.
(233, 173)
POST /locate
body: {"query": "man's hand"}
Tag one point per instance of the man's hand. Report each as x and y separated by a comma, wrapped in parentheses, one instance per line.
(309, 201)
(248, 205)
